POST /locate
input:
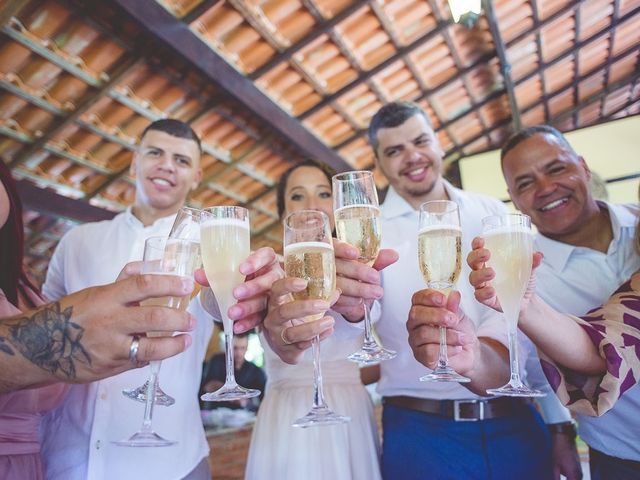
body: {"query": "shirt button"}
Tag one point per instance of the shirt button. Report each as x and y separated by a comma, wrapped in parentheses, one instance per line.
(103, 396)
(98, 445)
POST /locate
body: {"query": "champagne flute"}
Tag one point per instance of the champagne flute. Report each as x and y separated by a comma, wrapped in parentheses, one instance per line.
(168, 257)
(510, 241)
(440, 260)
(186, 226)
(225, 238)
(308, 254)
(357, 215)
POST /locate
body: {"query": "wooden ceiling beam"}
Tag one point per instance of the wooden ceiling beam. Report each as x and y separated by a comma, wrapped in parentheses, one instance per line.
(576, 65)
(176, 35)
(612, 39)
(55, 205)
(543, 81)
(505, 66)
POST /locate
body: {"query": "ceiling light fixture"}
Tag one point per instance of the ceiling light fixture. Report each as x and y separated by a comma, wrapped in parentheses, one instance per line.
(465, 12)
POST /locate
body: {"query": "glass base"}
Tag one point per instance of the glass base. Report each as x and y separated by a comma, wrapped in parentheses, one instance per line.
(320, 416)
(372, 356)
(145, 439)
(444, 374)
(140, 394)
(228, 393)
(520, 390)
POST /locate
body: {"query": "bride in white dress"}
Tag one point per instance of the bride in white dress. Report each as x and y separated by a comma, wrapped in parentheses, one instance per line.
(348, 451)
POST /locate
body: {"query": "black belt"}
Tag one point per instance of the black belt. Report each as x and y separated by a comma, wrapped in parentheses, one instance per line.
(462, 410)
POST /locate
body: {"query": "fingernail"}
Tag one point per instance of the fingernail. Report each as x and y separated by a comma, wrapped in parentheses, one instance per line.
(463, 338)
(321, 305)
(456, 349)
(234, 312)
(438, 300)
(240, 291)
(245, 269)
(187, 341)
(187, 284)
(192, 322)
(298, 283)
(378, 292)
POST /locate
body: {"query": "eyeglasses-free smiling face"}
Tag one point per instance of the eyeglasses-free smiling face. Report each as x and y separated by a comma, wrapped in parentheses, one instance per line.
(549, 182)
(308, 188)
(166, 169)
(410, 156)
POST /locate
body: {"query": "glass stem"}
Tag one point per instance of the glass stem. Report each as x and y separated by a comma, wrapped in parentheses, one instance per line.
(443, 359)
(230, 380)
(369, 341)
(154, 368)
(514, 362)
(318, 395)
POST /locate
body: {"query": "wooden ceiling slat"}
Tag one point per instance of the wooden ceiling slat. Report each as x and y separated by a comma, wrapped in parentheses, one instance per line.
(377, 69)
(320, 29)
(122, 70)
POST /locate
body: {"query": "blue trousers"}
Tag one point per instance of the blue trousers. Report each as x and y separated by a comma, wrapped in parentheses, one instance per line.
(605, 467)
(422, 446)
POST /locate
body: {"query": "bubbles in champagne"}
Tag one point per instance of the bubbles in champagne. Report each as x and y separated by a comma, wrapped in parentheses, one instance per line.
(439, 254)
(359, 225)
(315, 263)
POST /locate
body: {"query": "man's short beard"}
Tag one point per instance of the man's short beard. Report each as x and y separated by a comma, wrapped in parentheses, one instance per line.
(422, 191)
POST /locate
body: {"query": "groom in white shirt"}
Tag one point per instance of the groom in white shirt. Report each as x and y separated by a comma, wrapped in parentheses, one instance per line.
(77, 436)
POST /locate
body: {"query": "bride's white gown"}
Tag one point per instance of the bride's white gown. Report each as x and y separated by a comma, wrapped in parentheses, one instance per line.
(338, 452)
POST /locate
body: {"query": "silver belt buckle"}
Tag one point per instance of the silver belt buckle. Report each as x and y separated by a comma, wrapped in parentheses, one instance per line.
(456, 410)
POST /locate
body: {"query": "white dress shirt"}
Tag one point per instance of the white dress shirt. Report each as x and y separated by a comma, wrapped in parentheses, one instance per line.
(400, 376)
(577, 279)
(77, 436)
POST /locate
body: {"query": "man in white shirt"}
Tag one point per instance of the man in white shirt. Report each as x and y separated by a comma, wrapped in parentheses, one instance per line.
(588, 253)
(441, 428)
(77, 436)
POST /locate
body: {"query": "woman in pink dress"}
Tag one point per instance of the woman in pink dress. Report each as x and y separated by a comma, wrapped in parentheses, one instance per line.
(20, 411)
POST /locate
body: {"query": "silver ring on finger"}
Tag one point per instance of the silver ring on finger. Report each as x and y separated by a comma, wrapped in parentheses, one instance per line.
(133, 351)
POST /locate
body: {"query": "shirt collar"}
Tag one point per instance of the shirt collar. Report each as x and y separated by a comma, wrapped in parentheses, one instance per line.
(133, 221)
(557, 254)
(396, 206)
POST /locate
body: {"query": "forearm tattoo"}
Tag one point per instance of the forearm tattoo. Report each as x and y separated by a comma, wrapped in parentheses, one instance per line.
(49, 339)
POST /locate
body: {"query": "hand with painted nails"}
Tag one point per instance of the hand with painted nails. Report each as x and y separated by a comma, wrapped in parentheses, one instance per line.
(287, 326)
(430, 310)
(261, 269)
(358, 281)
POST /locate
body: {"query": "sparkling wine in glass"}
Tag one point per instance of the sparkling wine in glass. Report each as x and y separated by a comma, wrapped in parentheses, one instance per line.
(357, 216)
(440, 260)
(167, 257)
(510, 240)
(186, 226)
(225, 244)
(308, 254)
